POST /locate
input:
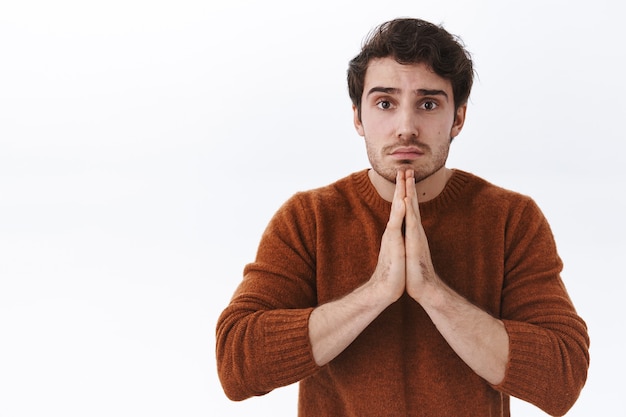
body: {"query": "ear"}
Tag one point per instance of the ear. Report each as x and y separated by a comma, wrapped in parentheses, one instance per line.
(357, 121)
(459, 120)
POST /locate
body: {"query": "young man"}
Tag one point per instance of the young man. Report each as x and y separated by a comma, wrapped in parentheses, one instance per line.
(407, 289)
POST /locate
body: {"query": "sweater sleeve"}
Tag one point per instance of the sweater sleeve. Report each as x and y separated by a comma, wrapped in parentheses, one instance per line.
(262, 339)
(549, 344)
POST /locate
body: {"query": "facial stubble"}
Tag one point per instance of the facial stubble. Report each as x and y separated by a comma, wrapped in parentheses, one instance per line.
(434, 161)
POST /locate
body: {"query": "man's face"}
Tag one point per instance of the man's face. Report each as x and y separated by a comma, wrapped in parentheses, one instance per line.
(407, 118)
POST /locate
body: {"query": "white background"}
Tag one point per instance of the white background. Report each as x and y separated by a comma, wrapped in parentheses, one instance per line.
(144, 145)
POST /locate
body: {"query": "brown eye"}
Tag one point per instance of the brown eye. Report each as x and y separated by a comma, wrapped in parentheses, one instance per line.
(429, 105)
(384, 104)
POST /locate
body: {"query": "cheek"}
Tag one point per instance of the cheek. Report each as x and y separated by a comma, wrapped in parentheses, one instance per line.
(445, 128)
(376, 126)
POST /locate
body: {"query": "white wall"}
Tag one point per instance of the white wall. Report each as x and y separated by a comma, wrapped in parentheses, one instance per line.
(145, 144)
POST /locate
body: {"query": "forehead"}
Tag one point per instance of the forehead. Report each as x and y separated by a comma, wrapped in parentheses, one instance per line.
(388, 73)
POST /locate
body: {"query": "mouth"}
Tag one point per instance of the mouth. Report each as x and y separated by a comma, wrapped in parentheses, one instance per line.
(406, 153)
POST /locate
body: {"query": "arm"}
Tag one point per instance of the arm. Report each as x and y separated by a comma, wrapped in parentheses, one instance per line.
(538, 348)
(333, 326)
(549, 343)
(479, 339)
(273, 333)
(262, 335)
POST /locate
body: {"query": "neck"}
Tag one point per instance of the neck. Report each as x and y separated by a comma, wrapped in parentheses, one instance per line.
(427, 189)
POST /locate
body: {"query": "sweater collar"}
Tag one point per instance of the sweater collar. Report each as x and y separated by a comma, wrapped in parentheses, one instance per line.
(451, 192)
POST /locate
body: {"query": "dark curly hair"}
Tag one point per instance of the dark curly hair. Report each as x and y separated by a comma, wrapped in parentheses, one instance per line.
(413, 41)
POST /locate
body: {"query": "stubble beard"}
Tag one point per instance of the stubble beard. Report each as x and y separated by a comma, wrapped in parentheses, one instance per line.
(434, 160)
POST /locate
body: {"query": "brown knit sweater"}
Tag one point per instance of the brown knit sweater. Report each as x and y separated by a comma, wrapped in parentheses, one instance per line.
(491, 245)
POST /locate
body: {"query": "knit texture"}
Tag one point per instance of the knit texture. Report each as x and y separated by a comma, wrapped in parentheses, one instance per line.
(491, 245)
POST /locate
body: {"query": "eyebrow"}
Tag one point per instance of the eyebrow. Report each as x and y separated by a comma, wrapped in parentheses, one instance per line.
(419, 91)
(425, 92)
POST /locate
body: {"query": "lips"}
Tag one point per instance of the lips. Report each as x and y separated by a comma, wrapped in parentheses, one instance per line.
(407, 152)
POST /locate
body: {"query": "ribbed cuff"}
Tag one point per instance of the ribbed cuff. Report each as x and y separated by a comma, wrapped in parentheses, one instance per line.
(530, 358)
(288, 353)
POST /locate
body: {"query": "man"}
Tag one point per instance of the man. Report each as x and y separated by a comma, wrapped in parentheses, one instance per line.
(408, 289)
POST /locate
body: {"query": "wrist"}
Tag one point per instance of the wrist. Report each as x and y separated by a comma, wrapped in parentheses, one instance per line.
(376, 295)
(432, 294)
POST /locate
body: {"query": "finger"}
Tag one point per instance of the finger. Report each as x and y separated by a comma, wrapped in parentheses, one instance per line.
(398, 209)
(412, 206)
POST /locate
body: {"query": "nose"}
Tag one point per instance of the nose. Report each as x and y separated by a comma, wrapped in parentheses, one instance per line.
(407, 124)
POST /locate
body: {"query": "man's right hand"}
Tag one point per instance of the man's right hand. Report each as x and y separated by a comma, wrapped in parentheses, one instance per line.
(334, 325)
(389, 275)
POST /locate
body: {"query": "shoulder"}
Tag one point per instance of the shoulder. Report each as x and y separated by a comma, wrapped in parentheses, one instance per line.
(518, 213)
(488, 195)
(335, 194)
(342, 194)
(300, 216)
(490, 204)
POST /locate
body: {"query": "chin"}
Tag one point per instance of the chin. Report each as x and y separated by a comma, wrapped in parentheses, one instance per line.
(420, 174)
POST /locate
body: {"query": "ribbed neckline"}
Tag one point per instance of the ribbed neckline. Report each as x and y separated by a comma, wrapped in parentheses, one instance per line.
(451, 192)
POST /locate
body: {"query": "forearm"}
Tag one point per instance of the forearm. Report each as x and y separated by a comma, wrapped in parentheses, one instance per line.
(334, 325)
(259, 350)
(477, 337)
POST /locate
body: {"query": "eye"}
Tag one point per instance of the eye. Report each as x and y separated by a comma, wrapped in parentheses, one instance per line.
(429, 105)
(383, 104)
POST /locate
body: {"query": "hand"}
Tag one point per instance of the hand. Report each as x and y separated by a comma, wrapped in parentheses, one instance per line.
(334, 325)
(420, 272)
(390, 272)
